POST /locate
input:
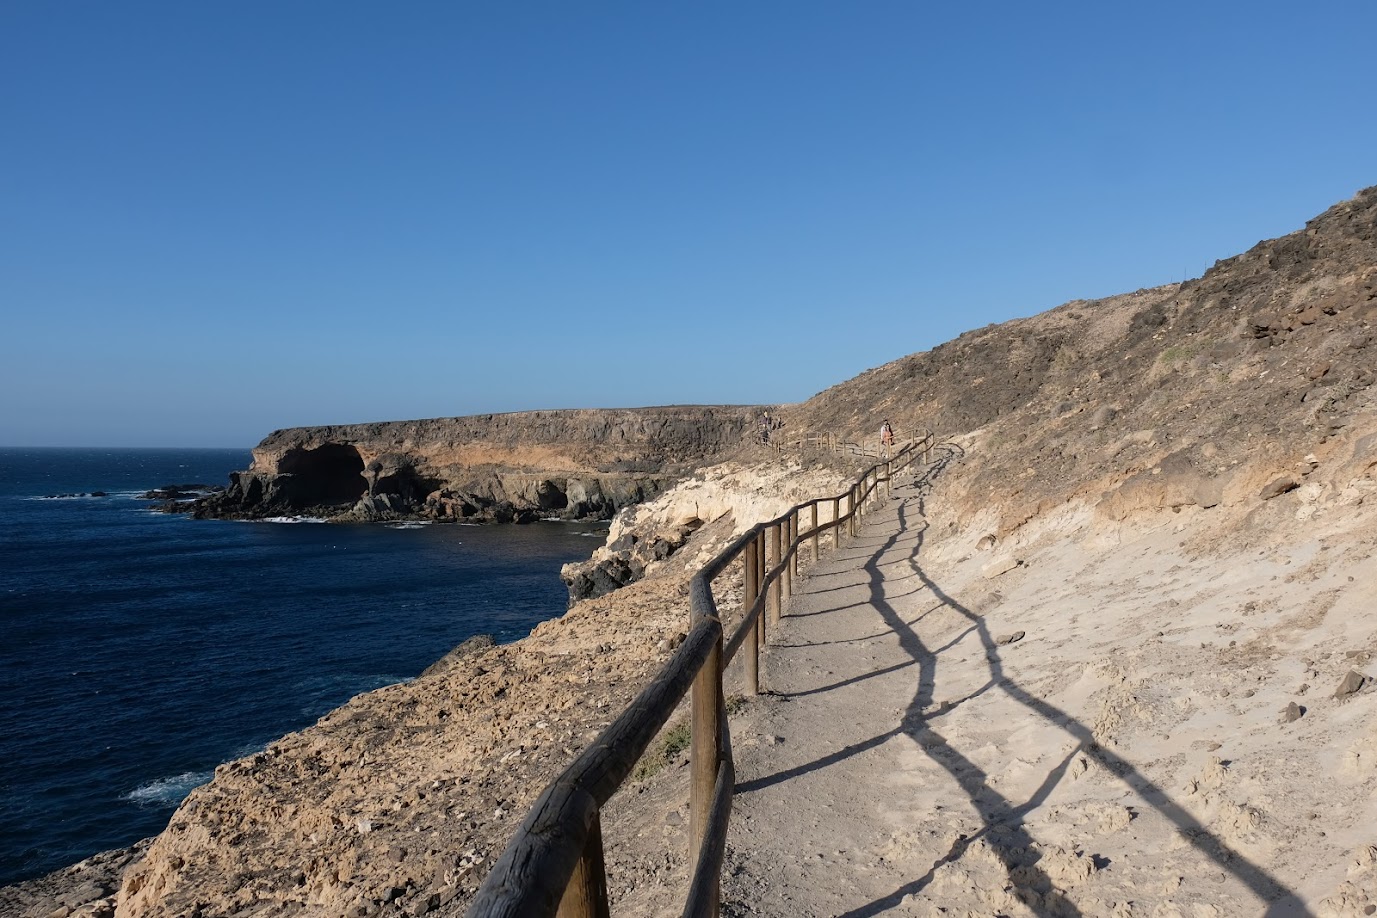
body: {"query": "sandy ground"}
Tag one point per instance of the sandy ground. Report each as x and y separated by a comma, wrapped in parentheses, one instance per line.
(1127, 755)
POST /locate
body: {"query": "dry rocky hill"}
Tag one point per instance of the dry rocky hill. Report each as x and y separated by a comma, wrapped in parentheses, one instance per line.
(1226, 425)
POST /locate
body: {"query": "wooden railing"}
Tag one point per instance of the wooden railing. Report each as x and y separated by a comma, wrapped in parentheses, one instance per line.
(554, 863)
(834, 444)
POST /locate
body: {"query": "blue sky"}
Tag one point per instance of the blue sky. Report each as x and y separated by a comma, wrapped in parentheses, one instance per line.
(223, 218)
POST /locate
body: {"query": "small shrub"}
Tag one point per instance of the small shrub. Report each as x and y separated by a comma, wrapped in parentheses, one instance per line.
(675, 740)
(1180, 352)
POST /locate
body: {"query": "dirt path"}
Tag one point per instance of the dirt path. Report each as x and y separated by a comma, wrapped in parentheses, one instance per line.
(813, 805)
(907, 759)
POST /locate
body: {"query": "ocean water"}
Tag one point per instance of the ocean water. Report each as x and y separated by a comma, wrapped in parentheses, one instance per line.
(139, 650)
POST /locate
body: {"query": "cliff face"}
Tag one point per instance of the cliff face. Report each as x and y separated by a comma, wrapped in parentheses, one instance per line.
(570, 464)
(1235, 411)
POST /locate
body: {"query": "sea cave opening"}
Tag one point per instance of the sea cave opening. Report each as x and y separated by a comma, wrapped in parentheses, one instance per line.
(329, 474)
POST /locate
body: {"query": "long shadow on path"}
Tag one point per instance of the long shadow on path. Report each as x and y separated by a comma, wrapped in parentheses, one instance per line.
(999, 815)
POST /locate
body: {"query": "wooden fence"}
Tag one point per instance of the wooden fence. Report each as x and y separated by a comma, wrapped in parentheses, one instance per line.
(834, 444)
(554, 864)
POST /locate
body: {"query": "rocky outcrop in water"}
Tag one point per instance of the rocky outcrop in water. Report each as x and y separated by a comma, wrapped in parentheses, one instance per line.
(499, 467)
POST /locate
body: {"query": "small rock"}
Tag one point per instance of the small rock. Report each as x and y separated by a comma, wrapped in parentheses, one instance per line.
(1351, 683)
(1000, 566)
(1009, 638)
(1214, 747)
(1292, 713)
(1279, 486)
(1102, 416)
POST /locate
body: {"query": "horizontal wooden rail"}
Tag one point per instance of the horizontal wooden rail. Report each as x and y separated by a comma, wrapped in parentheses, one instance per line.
(554, 861)
(832, 444)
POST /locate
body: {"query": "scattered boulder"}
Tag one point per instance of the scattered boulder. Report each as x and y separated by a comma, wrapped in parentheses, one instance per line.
(598, 579)
(1000, 566)
(1292, 713)
(1350, 684)
(1012, 638)
(623, 560)
(1278, 486)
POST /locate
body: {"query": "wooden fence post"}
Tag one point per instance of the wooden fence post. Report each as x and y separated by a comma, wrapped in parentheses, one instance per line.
(705, 750)
(777, 584)
(814, 521)
(788, 555)
(752, 645)
(797, 547)
(760, 569)
(586, 894)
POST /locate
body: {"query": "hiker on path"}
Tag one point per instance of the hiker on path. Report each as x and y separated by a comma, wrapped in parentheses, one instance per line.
(886, 439)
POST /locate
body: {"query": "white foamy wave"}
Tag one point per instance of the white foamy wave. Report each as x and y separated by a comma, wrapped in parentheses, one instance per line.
(105, 496)
(168, 791)
(292, 519)
(410, 524)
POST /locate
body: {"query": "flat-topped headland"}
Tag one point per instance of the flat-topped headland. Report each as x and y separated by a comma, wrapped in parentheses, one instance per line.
(568, 464)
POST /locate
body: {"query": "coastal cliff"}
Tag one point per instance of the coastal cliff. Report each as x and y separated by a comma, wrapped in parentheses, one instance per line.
(572, 464)
(1232, 416)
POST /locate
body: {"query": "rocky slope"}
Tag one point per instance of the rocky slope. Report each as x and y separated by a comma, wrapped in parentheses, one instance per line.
(571, 464)
(1240, 404)
(1183, 395)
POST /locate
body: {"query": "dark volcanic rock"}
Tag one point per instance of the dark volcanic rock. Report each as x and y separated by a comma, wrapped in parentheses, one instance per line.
(507, 468)
(181, 491)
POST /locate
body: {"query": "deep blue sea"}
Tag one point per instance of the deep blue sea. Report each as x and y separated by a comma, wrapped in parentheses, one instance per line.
(139, 650)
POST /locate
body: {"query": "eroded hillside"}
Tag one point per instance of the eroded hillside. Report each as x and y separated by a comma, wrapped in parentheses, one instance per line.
(1187, 394)
(1239, 405)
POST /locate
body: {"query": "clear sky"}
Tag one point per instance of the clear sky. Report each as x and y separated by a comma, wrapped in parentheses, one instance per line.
(217, 219)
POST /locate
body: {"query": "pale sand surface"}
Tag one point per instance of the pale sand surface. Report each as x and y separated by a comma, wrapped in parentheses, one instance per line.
(1125, 757)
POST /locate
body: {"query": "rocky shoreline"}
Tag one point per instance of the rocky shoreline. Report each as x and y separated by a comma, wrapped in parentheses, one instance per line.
(521, 467)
